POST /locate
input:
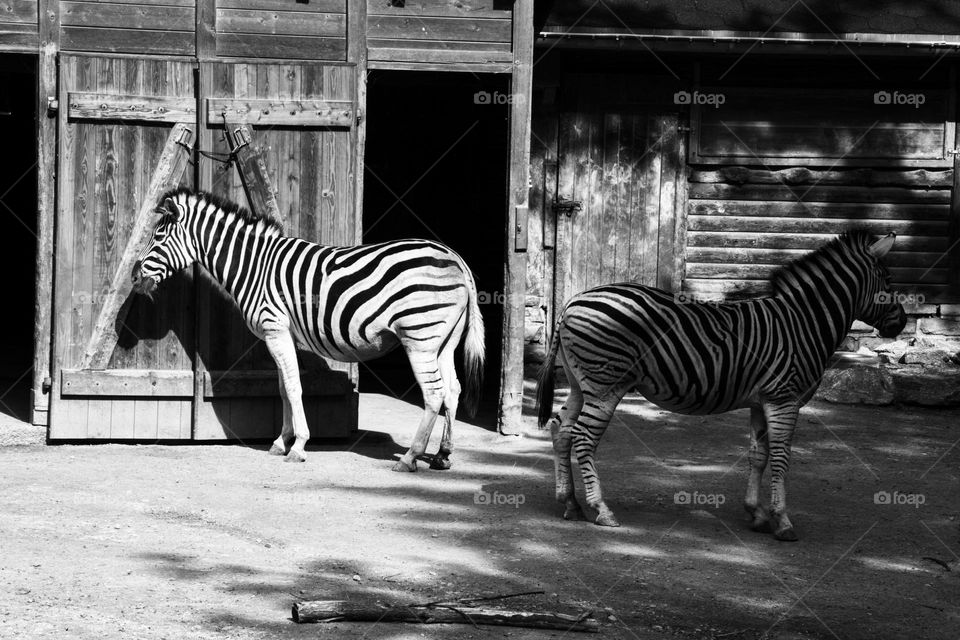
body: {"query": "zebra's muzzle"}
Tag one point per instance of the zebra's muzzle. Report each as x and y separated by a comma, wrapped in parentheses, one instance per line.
(142, 285)
(893, 323)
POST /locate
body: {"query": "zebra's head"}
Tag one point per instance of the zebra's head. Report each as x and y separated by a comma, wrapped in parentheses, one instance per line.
(170, 249)
(878, 305)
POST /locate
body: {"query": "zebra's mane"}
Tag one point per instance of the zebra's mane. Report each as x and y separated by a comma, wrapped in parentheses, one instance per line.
(227, 205)
(851, 242)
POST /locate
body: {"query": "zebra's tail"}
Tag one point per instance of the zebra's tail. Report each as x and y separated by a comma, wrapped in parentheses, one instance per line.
(473, 350)
(545, 382)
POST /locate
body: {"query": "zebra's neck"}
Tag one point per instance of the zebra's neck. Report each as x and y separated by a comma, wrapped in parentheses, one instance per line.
(822, 303)
(231, 248)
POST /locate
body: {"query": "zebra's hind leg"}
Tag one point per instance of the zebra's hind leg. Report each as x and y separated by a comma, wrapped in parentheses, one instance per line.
(280, 445)
(758, 456)
(781, 419)
(592, 422)
(562, 436)
(451, 400)
(281, 347)
(426, 369)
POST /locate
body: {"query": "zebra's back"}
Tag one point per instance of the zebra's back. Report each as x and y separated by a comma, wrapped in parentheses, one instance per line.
(356, 303)
(686, 357)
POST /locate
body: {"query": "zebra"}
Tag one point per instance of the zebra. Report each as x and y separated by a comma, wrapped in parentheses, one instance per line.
(697, 358)
(345, 303)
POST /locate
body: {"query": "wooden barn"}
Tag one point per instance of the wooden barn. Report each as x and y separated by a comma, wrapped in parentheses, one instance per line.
(285, 105)
(697, 146)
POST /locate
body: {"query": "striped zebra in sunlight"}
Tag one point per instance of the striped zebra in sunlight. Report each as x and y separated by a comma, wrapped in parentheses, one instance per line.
(345, 303)
(696, 358)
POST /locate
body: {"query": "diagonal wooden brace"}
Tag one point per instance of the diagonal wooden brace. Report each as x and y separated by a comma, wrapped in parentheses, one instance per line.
(253, 170)
(173, 162)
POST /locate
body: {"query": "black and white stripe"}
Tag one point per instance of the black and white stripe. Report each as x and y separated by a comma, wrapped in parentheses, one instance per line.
(767, 354)
(346, 303)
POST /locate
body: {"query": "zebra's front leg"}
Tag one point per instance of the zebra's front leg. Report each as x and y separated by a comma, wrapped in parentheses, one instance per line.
(781, 420)
(758, 456)
(280, 344)
(280, 445)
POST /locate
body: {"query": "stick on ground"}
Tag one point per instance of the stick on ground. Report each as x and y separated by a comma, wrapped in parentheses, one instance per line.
(343, 611)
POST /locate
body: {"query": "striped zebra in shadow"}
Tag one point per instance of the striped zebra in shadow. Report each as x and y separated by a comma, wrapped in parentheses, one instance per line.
(345, 303)
(700, 358)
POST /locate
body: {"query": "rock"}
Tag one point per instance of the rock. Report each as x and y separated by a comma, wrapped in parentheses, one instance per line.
(857, 385)
(932, 357)
(930, 386)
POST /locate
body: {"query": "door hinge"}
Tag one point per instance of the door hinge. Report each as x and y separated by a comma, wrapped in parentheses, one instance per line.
(566, 207)
(46, 385)
(53, 106)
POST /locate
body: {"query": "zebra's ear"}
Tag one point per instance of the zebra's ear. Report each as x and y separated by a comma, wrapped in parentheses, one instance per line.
(882, 246)
(171, 209)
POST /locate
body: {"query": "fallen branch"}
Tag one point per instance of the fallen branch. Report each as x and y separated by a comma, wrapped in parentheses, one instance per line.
(438, 613)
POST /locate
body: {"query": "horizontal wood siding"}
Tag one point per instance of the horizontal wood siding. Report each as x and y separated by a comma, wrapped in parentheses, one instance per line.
(18, 25)
(118, 26)
(281, 29)
(742, 224)
(438, 33)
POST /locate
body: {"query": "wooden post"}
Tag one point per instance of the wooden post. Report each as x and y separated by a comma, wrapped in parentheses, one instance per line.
(253, 170)
(953, 257)
(46, 206)
(515, 270)
(173, 162)
(357, 54)
(206, 18)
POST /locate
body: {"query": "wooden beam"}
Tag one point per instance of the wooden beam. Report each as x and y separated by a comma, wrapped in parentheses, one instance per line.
(96, 106)
(515, 272)
(253, 170)
(290, 113)
(173, 161)
(127, 382)
(456, 67)
(49, 25)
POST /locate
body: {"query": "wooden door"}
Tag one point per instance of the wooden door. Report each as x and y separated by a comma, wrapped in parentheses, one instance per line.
(619, 166)
(121, 365)
(301, 120)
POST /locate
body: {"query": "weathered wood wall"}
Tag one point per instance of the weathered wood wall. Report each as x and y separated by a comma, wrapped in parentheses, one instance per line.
(315, 30)
(18, 24)
(129, 26)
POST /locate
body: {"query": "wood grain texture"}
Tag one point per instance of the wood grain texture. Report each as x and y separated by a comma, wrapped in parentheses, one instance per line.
(19, 11)
(106, 40)
(283, 112)
(247, 45)
(290, 22)
(126, 382)
(93, 106)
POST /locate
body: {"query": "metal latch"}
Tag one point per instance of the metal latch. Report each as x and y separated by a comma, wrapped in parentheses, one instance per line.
(566, 207)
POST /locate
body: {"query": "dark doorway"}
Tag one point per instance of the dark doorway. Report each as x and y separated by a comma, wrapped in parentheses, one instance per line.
(18, 242)
(436, 167)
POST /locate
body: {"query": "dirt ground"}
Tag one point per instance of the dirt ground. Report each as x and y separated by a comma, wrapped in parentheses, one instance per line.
(217, 541)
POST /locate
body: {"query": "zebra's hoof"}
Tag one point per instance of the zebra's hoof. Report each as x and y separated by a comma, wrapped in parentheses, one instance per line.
(294, 456)
(607, 520)
(277, 451)
(440, 464)
(786, 535)
(574, 513)
(403, 466)
(761, 525)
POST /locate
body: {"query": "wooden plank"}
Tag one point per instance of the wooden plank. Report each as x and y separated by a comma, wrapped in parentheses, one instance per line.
(452, 55)
(669, 171)
(127, 40)
(122, 420)
(521, 84)
(264, 383)
(449, 67)
(206, 29)
(169, 422)
(126, 16)
(19, 38)
(439, 45)
(317, 6)
(22, 11)
(98, 106)
(443, 29)
(763, 271)
(245, 45)
(940, 179)
(291, 113)
(650, 224)
(126, 382)
(814, 225)
(719, 289)
(681, 208)
(146, 419)
(716, 191)
(291, 23)
(439, 8)
(172, 163)
(806, 241)
(752, 255)
(43, 365)
(845, 210)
